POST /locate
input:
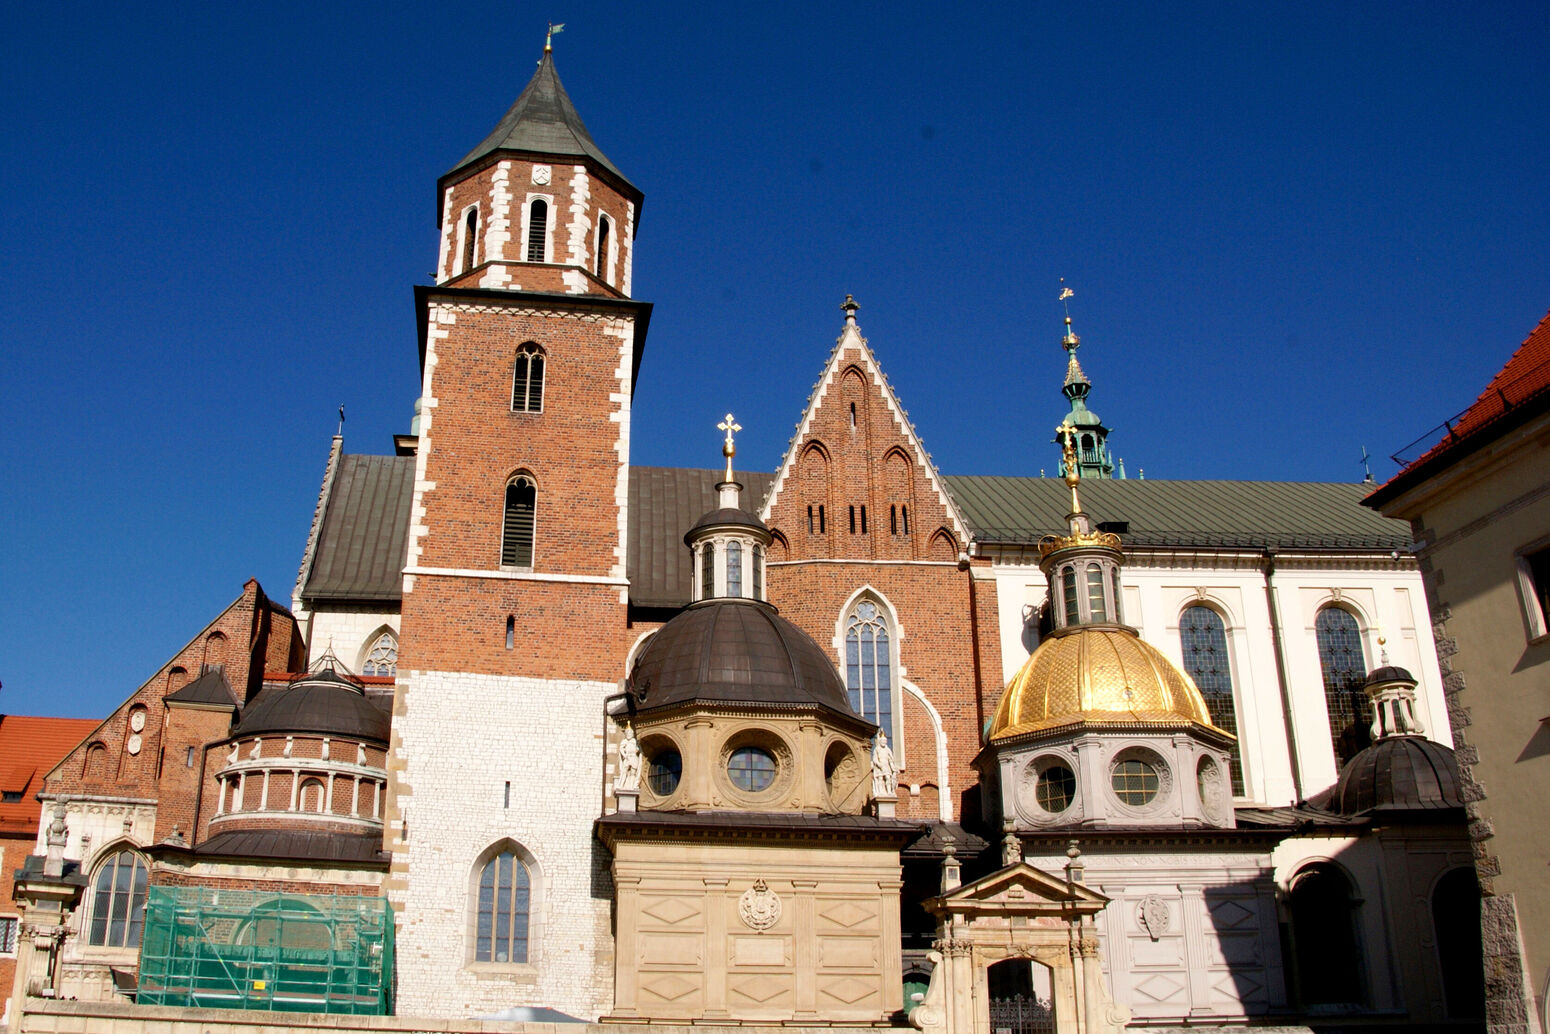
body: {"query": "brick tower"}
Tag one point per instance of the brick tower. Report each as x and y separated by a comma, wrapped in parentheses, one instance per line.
(514, 594)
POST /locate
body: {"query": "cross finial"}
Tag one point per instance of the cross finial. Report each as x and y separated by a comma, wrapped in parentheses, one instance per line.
(727, 448)
(1066, 435)
(549, 38)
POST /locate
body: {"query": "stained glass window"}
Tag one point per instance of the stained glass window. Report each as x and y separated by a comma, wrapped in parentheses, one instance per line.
(504, 900)
(1204, 638)
(666, 768)
(869, 665)
(751, 769)
(382, 658)
(118, 902)
(1344, 666)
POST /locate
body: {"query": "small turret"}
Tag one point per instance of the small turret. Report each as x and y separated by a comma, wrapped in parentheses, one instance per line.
(1092, 450)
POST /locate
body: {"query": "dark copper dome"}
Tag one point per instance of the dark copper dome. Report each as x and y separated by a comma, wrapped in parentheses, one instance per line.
(727, 516)
(324, 702)
(1398, 774)
(735, 651)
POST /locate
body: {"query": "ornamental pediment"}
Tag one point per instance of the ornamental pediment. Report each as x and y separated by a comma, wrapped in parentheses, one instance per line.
(1019, 889)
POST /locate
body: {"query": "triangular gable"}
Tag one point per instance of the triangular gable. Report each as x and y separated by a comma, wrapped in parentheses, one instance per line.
(848, 348)
(1019, 888)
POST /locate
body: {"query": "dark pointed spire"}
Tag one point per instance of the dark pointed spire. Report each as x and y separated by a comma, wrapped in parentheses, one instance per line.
(543, 121)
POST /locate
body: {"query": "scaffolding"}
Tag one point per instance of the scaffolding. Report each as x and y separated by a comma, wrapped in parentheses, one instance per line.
(235, 949)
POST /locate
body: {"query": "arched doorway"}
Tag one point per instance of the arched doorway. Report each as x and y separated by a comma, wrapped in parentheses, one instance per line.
(1020, 998)
(1456, 922)
(1329, 962)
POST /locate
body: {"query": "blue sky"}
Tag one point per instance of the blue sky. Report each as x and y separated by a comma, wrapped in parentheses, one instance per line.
(1293, 230)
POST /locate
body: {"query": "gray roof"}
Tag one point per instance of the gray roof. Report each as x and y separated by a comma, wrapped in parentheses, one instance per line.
(310, 845)
(209, 688)
(543, 121)
(361, 547)
(1198, 514)
(665, 502)
(323, 702)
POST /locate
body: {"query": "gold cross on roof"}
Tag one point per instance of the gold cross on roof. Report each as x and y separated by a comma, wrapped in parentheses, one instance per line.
(727, 448)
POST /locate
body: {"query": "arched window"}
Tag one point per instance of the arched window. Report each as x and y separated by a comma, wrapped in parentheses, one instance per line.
(470, 238)
(118, 902)
(382, 658)
(708, 571)
(604, 229)
(734, 568)
(756, 569)
(1456, 919)
(527, 380)
(869, 665)
(537, 230)
(1329, 964)
(1345, 672)
(1204, 638)
(1068, 590)
(502, 911)
(1095, 604)
(312, 795)
(517, 533)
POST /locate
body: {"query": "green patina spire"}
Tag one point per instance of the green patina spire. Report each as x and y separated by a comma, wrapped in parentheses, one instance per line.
(1092, 450)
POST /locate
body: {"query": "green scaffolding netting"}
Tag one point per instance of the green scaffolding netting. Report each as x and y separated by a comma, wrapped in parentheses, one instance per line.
(235, 949)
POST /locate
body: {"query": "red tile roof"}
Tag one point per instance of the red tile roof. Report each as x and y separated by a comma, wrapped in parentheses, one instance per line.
(29, 747)
(1526, 377)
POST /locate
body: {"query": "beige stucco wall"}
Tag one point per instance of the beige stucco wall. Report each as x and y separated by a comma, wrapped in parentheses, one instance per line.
(685, 950)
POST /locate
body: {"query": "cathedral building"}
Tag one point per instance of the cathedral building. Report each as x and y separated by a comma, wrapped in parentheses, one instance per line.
(544, 734)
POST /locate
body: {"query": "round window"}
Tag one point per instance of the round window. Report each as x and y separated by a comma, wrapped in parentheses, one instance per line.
(751, 769)
(1056, 789)
(666, 768)
(1135, 782)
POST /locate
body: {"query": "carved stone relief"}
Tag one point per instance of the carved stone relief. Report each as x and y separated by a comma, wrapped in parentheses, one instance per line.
(759, 907)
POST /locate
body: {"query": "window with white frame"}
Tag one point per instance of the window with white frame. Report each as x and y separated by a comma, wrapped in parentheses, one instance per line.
(869, 664)
(1203, 636)
(538, 230)
(382, 658)
(118, 902)
(1534, 586)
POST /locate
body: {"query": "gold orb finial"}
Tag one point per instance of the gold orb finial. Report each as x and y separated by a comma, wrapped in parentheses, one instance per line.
(728, 449)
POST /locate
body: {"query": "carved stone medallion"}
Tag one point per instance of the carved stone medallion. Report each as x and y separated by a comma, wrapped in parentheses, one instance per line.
(759, 907)
(1153, 916)
(541, 175)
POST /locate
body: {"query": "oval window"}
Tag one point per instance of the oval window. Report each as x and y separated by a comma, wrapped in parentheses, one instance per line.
(667, 767)
(751, 769)
(1056, 789)
(1135, 782)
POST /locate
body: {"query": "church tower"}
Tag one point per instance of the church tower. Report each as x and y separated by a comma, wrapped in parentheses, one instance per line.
(514, 591)
(1093, 458)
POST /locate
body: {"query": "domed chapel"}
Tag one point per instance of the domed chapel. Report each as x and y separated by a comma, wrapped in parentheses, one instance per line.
(844, 741)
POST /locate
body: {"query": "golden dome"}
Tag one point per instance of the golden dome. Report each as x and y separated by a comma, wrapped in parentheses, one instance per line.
(1097, 674)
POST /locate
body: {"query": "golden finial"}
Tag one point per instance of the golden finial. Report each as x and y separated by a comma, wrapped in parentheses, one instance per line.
(727, 448)
(1070, 341)
(1066, 434)
(549, 39)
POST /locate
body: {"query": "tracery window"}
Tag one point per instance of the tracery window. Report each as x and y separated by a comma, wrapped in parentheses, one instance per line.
(503, 910)
(520, 518)
(527, 380)
(1204, 638)
(382, 658)
(869, 665)
(118, 902)
(1344, 667)
(538, 230)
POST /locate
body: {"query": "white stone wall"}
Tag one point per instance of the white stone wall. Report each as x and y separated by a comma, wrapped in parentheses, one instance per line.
(349, 633)
(1188, 934)
(1387, 597)
(461, 737)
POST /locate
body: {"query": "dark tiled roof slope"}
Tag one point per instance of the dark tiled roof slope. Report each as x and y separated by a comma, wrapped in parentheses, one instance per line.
(664, 503)
(361, 546)
(1184, 514)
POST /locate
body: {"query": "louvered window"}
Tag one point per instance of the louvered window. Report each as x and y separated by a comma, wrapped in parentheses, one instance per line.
(517, 537)
(537, 230)
(527, 380)
(1204, 639)
(1344, 667)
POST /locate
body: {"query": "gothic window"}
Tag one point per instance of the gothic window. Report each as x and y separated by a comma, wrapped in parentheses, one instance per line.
(1204, 638)
(538, 230)
(382, 658)
(869, 665)
(604, 227)
(1329, 969)
(1068, 591)
(734, 568)
(708, 571)
(1095, 605)
(527, 380)
(517, 531)
(118, 902)
(503, 910)
(1345, 672)
(470, 239)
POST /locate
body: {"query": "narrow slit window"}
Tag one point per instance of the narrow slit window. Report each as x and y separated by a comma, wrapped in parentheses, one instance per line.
(517, 533)
(734, 568)
(1119, 612)
(904, 515)
(537, 230)
(820, 518)
(604, 227)
(511, 631)
(893, 518)
(863, 518)
(756, 569)
(470, 238)
(506, 802)
(188, 761)
(852, 416)
(527, 380)
(1068, 592)
(708, 571)
(852, 520)
(809, 519)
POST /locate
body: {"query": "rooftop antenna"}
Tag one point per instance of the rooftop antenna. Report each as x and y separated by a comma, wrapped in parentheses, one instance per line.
(549, 39)
(1367, 478)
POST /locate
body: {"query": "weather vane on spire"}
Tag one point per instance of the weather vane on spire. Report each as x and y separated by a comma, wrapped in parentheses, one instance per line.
(727, 448)
(549, 39)
(1070, 341)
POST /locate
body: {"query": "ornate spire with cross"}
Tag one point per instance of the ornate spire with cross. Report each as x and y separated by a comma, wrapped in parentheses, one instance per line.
(728, 449)
(1092, 448)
